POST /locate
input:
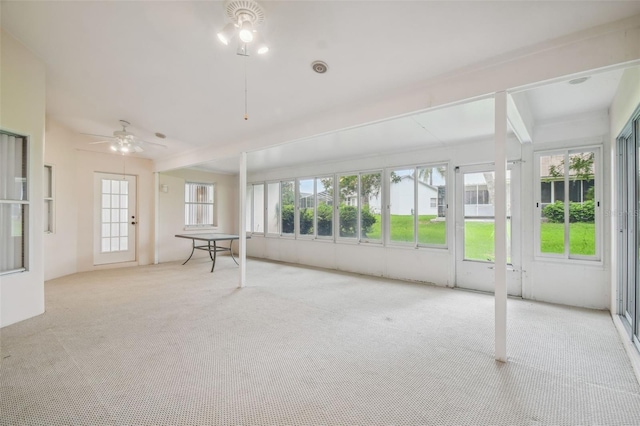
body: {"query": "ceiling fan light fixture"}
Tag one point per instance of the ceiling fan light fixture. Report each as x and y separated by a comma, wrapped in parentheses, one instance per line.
(261, 44)
(245, 17)
(246, 32)
(227, 33)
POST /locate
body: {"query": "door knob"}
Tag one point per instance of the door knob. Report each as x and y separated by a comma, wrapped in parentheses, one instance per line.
(133, 223)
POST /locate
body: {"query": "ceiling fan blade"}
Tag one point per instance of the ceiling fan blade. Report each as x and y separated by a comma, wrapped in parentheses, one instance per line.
(95, 143)
(137, 148)
(98, 136)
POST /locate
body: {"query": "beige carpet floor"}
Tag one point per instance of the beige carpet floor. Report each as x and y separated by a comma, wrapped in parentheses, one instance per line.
(177, 345)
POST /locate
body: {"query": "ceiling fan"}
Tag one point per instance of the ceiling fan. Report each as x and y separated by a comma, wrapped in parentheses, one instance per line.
(124, 141)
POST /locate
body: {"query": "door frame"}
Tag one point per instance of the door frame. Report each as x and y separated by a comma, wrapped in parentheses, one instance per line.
(131, 254)
(484, 270)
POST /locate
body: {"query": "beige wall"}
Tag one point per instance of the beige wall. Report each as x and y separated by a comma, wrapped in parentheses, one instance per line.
(171, 210)
(88, 164)
(22, 110)
(70, 249)
(61, 246)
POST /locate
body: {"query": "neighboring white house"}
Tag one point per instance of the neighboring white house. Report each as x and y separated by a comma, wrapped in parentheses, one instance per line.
(402, 197)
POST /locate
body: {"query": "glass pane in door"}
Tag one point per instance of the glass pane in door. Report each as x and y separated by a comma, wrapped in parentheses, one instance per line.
(114, 229)
(479, 216)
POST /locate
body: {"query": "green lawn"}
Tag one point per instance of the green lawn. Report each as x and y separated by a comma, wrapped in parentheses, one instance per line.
(581, 238)
(479, 244)
(478, 240)
(402, 229)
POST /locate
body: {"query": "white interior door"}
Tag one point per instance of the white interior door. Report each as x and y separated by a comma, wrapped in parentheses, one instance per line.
(115, 219)
(475, 225)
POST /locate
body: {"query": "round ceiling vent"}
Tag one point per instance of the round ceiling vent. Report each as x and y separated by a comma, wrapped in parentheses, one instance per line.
(319, 67)
(579, 80)
(248, 8)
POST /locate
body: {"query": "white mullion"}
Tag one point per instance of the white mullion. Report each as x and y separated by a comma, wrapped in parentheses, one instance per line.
(296, 208)
(567, 234)
(280, 227)
(416, 206)
(386, 207)
(336, 207)
(358, 209)
(315, 208)
(252, 214)
(598, 201)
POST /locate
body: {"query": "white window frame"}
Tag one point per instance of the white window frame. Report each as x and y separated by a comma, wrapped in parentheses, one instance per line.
(358, 238)
(249, 207)
(598, 199)
(446, 205)
(387, 221)
(25, 202)
(49, 199)
(297, 210)
(387, 209)
(266, 209)
(264, 206)
(213, 205)
(336, 225)
(382, 203)
(333, 210)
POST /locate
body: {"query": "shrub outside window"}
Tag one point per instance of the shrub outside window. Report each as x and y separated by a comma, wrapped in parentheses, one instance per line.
(324, 203)
(288, 203)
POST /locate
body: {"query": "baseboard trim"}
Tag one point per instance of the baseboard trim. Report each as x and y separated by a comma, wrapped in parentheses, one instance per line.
(629, 347)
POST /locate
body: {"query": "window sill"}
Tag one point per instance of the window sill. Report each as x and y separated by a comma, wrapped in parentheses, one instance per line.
(13, 271)
(595, 263)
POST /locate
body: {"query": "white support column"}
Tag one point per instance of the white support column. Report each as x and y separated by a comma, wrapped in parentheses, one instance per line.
(242, 220)
(501, 226)
(156, 218)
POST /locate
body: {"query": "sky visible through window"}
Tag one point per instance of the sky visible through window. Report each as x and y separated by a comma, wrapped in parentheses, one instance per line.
(306, 186)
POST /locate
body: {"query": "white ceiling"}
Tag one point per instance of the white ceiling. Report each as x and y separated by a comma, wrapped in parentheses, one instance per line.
(562, 99)
(433, 128)
(160, 66)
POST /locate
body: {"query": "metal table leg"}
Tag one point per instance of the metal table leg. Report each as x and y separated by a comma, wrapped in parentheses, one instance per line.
(214, 254)
(193, 242)
(231, 252)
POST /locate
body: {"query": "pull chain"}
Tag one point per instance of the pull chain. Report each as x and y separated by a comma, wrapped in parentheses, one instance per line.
(246, 113)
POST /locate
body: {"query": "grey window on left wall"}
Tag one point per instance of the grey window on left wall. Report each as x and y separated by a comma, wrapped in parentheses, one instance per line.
(48, 200)
(14, 202)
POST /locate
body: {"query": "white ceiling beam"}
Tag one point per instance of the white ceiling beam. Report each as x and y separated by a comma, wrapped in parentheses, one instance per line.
(519, 117)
